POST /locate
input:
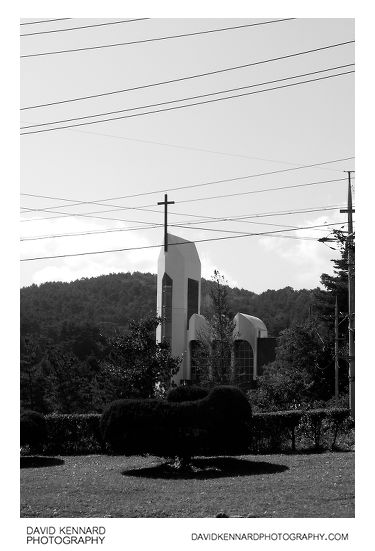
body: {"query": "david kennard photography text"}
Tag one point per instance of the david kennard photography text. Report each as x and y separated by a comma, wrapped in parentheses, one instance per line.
(42, 535)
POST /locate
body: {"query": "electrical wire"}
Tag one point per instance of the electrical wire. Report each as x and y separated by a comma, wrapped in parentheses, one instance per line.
(145, 207)
(157, 39)
(185, 106)
(187, 98)
(166, 190)
(47, 21)
(199, 75)
(100, 202)
(198, 149)
(241, 219)
(86, 26)
(171, 244)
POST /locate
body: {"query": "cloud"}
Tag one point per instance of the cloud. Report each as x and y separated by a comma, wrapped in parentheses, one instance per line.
(306, 258)
(208, 268)
(71, 268)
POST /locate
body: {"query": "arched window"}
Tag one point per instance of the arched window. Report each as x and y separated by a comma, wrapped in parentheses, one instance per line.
(243, 361)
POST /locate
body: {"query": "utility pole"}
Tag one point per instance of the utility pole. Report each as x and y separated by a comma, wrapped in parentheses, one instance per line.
(336, 351)
(166, 203)
(351, 300)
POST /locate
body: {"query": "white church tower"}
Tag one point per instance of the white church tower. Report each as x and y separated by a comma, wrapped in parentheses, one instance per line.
(178, 297)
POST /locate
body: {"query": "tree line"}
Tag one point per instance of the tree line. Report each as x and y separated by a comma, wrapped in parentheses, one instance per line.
(88, 342)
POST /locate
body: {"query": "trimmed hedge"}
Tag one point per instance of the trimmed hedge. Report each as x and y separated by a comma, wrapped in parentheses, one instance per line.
(76, 434)
(316, 429)
(186, 393)
(33, 430)
(217, 424)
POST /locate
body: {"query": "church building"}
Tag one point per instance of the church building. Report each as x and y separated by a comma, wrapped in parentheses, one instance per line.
(178, 303)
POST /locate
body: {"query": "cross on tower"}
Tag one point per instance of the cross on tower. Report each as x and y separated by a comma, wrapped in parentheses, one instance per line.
(166, 203)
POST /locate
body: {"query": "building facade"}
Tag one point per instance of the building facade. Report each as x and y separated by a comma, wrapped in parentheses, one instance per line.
(183, 327)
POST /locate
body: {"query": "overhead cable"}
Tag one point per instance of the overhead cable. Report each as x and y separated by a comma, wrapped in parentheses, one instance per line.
(172, 244)
(87, 26)
(166, 190)
(157, 39)
(240, 219)
(244, 218)
(186, 98)
(146, 207)
(199, 75)
(46, 21)
(185, 106)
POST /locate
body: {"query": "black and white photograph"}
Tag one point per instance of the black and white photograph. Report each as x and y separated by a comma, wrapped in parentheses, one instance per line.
(187, 272)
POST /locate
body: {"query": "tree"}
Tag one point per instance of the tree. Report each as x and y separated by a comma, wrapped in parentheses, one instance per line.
(146, 366)
(216, 424)
(32, 379)
(336, 285)
(213, 358)
(302, 373)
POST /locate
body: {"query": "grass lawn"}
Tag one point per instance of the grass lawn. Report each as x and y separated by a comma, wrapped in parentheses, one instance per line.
(314, 485)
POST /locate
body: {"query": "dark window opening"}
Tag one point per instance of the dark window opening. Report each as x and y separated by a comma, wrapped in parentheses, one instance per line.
(166, 308)
(192, 298)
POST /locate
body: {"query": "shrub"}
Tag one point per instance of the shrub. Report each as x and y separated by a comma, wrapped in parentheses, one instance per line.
(216, 424)
(281, 430)
(340, 421)
(312, 425)
(272, 430)
(33, 430)
(186, 393)
(74, 434)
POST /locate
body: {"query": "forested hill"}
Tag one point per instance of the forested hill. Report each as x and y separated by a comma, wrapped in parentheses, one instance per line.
(111, 301)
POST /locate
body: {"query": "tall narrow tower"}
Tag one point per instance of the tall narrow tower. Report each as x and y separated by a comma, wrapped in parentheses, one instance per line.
(178, 297)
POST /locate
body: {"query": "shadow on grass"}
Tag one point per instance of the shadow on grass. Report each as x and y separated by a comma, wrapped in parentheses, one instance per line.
(36, 461)
(213, 467)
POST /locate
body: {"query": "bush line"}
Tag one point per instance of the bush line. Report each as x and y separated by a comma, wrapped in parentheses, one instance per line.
(281, 431)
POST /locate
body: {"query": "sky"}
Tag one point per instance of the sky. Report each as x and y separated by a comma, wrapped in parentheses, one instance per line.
(233, 140)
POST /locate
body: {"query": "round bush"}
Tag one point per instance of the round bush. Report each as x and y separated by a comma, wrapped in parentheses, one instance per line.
(216, 424)
(33, 430)
(186, 393)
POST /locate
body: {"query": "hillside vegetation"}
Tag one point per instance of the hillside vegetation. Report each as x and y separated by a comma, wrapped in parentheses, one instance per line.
(110, 302)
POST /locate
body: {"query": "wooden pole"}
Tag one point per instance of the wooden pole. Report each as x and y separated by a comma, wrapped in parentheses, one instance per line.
(336, 351)
(351, 301)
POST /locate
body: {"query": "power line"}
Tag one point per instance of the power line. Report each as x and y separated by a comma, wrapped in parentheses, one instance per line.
(237, 232)
(145, 207)
(191, 186)
(87, 26)
(187, 98)
(157, 38)
(184, 106)
(269, 173)
(199, 75)
(47, 21)
(208, 219)
(260, 191)
(243, 218)
(171, 244)
(198, 149)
